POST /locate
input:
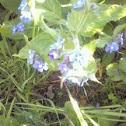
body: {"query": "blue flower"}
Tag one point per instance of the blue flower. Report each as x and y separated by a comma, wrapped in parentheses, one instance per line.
(112, 47)
(31, 56)
(57, 45)
(26, 16)
(14, 30)
(20, 27)
(40, 66)
(22, 5)
(63, 67)
(37, 62)
(54, 54)
(79, 58)
(78, 5)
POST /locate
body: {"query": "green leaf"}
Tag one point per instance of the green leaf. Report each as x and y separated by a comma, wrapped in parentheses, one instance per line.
(71, 113)
(122, 65)
(52, 10)
(89, 23)
(102, 41)
(113, 72)
(11, 5)
(118, 29)
(107, 58)
(41, 44)
(120, 2)
(2, 120)
(11, 121)
(23, 53)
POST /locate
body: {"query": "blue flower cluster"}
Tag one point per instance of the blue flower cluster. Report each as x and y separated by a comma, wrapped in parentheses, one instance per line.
(65, 66)
(55, 48)
(70, 66)
(37, 62)
(79, 58)
(18, 28)
(78, 5)
(26, 17)
(23, 5)
(114, 45)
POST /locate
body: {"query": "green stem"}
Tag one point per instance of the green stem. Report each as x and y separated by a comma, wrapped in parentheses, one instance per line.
(76, 41)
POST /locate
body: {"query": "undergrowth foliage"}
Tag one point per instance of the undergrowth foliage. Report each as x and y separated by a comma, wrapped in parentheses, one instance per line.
(65, 36)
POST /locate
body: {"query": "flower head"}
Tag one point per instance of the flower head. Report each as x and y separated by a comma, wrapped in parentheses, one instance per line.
(22, 5)
(31, 56)
(63, 68)
(78, 5)
(37, 62)
(54, 54)
(26, 16)
(14, 30)
(40, 65)
(20, 27)
(79, 58)
(120, 39)
(55, 49)
(112, 47)
(58, 44)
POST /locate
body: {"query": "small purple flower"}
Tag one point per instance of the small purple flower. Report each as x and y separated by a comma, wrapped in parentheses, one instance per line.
(20, 27)
(14, 30)
(37, 62)
(40, 66)
(78, 5)
(54, 55)
(66, 58)
(112, 47)
(26, 16)
(63, 68)
(22, 5)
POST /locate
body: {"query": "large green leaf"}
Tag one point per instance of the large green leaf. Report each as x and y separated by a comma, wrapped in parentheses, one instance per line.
(102, 41)
(114, 73)
(52, 10)
(41, 44)
(107, 59)
(11, 5)
(89, 23)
